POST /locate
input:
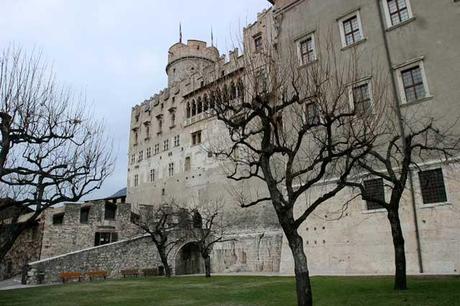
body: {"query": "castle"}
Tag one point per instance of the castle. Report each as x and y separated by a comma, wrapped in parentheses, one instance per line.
(171, 131)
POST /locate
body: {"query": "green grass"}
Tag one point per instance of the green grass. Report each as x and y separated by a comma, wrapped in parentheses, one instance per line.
(239, 290)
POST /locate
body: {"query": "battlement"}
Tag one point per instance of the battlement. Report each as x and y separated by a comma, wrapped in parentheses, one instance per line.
(193, 49)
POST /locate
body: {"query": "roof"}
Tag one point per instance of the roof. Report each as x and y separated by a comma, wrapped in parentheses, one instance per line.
(119, 194)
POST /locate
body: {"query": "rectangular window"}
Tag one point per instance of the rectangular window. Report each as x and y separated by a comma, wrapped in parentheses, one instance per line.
(351, 29)
(311, 114)
(160, 125)
(414, 86)
(258, 43)
(307, 50)
(84, 215)
(110, 211)
(136, 180)
(149, 152)
(152, 175)
(432, 186)
(362, 103)
(261, 81)
(133, 159)
(398, 11)
(375, 190)
(188, 163)
(173, 120)
(105, 238)
(147, 131)
(157, 148)
(171, 169)
(177, 141)
(141, 156)
(196, 138)
(166, 145)
(58, 219)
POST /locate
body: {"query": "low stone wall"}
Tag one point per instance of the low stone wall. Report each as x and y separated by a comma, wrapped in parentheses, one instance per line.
(137, 253)
(246, 252)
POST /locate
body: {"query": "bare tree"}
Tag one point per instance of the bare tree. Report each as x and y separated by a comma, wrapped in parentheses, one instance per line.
(51, 149)
(209, 227)
(291, 128)
(166, 224)
(392, 157)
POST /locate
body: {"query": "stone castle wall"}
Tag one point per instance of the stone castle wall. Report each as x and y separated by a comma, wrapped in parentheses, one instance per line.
(72, 235)
(250, 252)
(137, 253)
(25, 249)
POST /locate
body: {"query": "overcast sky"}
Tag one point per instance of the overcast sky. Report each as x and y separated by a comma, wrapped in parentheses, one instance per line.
(116, 50)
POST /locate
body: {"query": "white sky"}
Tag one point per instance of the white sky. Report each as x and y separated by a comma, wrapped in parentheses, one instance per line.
(116, 50)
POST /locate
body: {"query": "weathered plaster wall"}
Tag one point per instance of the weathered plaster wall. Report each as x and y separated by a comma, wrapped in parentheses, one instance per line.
(248, 252)
(360, 241)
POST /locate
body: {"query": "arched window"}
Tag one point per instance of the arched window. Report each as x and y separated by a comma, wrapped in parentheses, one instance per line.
(193, 108)
(188, 109)
(232, 91)
(240, 88)
(225, 93)
(197, 220)
(205, 103)
(200, 105)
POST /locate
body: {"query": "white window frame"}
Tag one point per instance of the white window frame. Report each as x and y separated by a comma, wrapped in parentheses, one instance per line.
(368, 81)
(411, 64)
(388, 21)
(342, 29)
(299, 48)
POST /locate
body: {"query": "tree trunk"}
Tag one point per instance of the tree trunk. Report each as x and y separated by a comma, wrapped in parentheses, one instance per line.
(10, 237)
(400, 254)
(303, 286)
(207, 265)
(164, 261)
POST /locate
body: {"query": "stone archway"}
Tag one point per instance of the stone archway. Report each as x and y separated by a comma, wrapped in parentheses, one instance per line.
(189, 260)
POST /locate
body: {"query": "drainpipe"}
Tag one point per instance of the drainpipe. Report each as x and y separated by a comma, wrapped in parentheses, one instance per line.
(403, 133)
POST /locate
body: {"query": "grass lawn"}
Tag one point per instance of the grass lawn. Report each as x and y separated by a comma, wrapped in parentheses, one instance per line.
(239, 290)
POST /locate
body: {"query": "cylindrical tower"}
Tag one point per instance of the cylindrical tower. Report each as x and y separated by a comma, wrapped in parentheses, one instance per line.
(186, 59)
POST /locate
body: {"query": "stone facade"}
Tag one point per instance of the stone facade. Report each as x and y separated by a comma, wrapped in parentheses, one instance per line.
(136, 253)
(75, 233)
(246, 253)
(427, 37)
(360, 241)
(25, 249)
(172, 132)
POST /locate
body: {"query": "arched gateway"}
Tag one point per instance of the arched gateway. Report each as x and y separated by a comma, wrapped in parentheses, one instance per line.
(188, 260)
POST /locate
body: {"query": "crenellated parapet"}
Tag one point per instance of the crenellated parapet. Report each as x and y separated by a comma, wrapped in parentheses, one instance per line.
(187, 59)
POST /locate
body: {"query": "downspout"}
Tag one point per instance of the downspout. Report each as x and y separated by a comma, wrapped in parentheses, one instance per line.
(403, 133)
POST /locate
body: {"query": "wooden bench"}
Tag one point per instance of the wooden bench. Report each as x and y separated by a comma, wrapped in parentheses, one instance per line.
(65, 276)
(97, 274)
(130, 272)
